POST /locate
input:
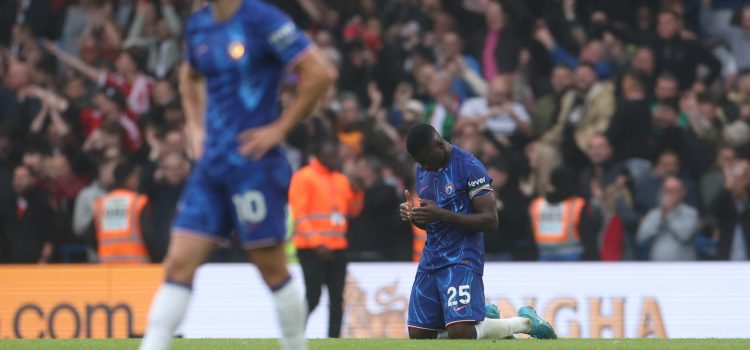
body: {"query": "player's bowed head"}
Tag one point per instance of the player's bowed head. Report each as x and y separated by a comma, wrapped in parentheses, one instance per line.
(427, 147)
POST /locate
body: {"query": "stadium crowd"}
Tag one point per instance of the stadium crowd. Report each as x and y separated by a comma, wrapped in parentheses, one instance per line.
(632, 118)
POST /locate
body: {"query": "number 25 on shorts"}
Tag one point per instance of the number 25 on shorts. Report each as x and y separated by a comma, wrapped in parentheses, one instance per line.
(251, 206)
(464, 295)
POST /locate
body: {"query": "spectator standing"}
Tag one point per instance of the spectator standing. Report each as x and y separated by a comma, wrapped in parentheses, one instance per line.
(680, 56)
(83, 213)
(442, 108)
(27, 221)
(465, 69)
(602, 170)
(63, 185)
(730, 210)
(648, 189)
(736, 37)
(738, 100)
(556, 219)
(631, 122)
(111, 109)
(712, 182)
(498, 113)
(502, 42)
(592, 53)
(377, 234)
(513, 239)
(669, 229)
(584, 111)
(157, 32)
(613, 219)
(321, 198)
(122, 221)
(163, 191)
(128, 77)
(544, 111)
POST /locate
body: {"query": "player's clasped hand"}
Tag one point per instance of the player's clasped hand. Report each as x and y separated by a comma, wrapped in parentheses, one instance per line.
(406, 207)
(428, 212)
(256, 142)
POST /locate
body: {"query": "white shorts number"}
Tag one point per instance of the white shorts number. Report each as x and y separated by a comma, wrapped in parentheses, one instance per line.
(250, 206)
(463, 293)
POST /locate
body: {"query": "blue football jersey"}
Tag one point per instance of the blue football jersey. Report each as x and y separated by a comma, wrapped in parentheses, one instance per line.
(453, 188)
(242, 59)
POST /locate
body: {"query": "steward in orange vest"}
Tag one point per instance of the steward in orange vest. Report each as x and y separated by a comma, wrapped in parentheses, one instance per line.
(557, 220)
(420, 235)
(121, 220)
(321, 199)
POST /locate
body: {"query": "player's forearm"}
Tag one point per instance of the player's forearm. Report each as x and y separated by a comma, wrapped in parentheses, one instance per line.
(476, 222)
(193, 90)
(316, 76)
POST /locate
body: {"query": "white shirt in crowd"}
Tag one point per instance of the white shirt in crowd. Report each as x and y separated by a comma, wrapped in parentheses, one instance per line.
(502, 124)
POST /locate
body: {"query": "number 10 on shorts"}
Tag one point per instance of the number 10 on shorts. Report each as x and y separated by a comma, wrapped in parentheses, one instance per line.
(464, 295)
(250, 206)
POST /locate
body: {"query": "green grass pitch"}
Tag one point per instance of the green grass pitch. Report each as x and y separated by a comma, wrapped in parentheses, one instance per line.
(392, 344)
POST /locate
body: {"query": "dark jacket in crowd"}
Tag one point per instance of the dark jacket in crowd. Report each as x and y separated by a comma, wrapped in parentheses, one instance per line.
(378, 234)
(27, 223)
(681, 57)
(694, 153)
(611, 171)
(163, 199)
(724, 211)
(513, 236)
(629, 127)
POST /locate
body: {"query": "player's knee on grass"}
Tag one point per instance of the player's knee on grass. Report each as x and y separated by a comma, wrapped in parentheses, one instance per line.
(461, 330)
(418, 333)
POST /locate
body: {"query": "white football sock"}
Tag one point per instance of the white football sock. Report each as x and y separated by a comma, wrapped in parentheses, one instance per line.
(167, 311)
(291, 310)
(442, 335)
(501, 328)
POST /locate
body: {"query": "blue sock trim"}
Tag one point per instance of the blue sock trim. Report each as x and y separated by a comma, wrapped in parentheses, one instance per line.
(281, 285)
(474, 332)
(188, 286)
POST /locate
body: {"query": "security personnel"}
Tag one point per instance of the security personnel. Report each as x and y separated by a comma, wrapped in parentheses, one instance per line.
(122, 221)
(556, 219)
(419, 235)
(322, 198)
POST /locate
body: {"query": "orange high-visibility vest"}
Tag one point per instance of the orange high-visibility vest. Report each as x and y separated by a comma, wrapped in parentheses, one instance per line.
(321, 200)
(556, 224)
(420, 236)
(117, 217)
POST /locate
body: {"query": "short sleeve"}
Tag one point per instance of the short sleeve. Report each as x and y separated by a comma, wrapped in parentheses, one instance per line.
(521, 112)
(471, 109)
(285, 40)
(478, 182)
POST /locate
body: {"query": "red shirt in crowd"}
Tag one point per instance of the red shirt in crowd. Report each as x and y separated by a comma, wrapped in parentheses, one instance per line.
(132, 138)
(137, 92)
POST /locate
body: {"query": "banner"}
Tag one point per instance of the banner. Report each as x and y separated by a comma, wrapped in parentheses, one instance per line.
(84, 301)
(590, 300)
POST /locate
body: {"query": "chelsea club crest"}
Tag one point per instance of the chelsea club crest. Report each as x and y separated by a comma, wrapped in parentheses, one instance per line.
(449, 189)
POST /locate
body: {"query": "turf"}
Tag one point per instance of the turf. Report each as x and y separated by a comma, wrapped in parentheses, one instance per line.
(378, 344)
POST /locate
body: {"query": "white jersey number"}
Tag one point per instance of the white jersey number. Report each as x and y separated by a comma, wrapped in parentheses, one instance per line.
(463, 293)
(250, 206)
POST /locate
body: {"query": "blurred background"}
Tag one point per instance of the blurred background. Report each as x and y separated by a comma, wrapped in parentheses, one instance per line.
(637, 111)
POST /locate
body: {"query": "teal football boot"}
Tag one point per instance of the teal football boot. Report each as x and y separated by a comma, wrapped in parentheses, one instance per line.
(540, 328)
